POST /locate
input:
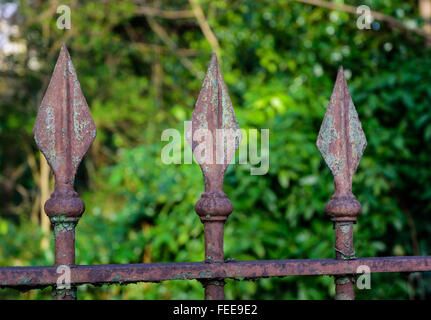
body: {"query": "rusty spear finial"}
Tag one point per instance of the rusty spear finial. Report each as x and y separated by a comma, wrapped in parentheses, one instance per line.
(214, 138)
(64, 130)
(342, 142)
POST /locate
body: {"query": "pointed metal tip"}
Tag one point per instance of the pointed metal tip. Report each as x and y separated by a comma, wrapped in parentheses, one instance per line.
(64, 125)
(341, 127)
(341, 83)
(214, 111)
(340, 74)
(64, 51)
(214, 59)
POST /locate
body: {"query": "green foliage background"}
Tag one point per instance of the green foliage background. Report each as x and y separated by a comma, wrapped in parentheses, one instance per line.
(279, 60)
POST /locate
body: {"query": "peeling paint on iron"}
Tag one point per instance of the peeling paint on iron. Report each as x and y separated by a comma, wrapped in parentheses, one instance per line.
(117, 278)
(50, 153)
(341, 110)
(214, 111)
(64, 100)
(182, 276)
(356, 137)
(205, 274)
(327, 135)
(25, 280)
(79, 125)
(345, 228)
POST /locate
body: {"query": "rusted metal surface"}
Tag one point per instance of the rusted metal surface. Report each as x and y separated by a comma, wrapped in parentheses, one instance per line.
(342, 142)
(213, 115)
(344, 288)
(64, 130)
(214, 140)
(36, 277)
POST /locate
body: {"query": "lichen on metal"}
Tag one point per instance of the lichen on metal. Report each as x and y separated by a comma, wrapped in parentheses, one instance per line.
(214, 131)
(214, 117)
(64, 128)
(341, 140)
(63, 223)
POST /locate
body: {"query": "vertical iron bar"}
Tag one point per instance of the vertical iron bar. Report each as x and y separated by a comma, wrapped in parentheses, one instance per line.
(214, 208)
(214, 114)
(214, 290)
(64, 237)
(213, 231)
(342, 142)
(64, 244)
(344, 285)
(64, 130)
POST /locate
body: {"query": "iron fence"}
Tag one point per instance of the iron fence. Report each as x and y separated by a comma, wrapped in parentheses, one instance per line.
(64, 130)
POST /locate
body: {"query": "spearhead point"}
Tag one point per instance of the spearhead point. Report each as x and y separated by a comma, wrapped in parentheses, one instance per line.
(342, 142)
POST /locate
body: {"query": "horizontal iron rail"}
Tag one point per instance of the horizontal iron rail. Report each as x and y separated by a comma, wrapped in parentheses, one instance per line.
(44, 276)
